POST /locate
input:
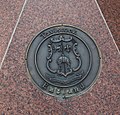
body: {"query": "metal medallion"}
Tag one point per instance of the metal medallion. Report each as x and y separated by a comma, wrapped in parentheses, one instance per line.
(63, 61)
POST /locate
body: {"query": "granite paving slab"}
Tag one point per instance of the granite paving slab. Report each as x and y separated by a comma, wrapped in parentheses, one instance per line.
(111, 11)
(18, 95)
(9, 13)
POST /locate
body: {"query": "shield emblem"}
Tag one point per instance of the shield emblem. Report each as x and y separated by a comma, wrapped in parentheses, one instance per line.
(62, 47)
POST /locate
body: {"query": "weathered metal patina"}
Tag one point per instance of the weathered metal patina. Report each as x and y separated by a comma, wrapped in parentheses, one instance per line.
(63, 61)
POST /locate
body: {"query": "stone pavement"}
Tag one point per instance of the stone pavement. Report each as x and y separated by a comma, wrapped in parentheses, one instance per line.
(18, 95)
(111, 11)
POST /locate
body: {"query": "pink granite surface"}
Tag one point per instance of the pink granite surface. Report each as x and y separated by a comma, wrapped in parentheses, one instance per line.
(9, 11)
(111, 11)
(18, 95)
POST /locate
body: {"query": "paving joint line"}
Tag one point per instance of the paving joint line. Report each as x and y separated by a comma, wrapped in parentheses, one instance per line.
(107, 26)
(14, 30)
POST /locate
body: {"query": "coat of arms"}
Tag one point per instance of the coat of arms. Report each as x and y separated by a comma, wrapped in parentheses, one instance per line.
(66, 49)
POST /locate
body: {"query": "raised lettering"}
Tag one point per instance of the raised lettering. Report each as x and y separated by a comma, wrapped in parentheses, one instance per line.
(58, 91)
(51, 89)
(45, 85)
(75, 89)
(81, 86)
(70, 91)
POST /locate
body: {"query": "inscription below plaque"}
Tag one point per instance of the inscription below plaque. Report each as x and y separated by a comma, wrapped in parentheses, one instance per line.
(63, 61)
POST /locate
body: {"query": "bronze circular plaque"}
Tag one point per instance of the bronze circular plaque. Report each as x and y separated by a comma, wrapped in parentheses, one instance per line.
(63, 61)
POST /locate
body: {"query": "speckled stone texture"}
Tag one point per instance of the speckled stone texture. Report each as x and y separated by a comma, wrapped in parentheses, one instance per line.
(9, 12)
(111, 11)
(18, 95)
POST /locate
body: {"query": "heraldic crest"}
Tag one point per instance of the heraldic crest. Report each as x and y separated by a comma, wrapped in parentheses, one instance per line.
(63, 51)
